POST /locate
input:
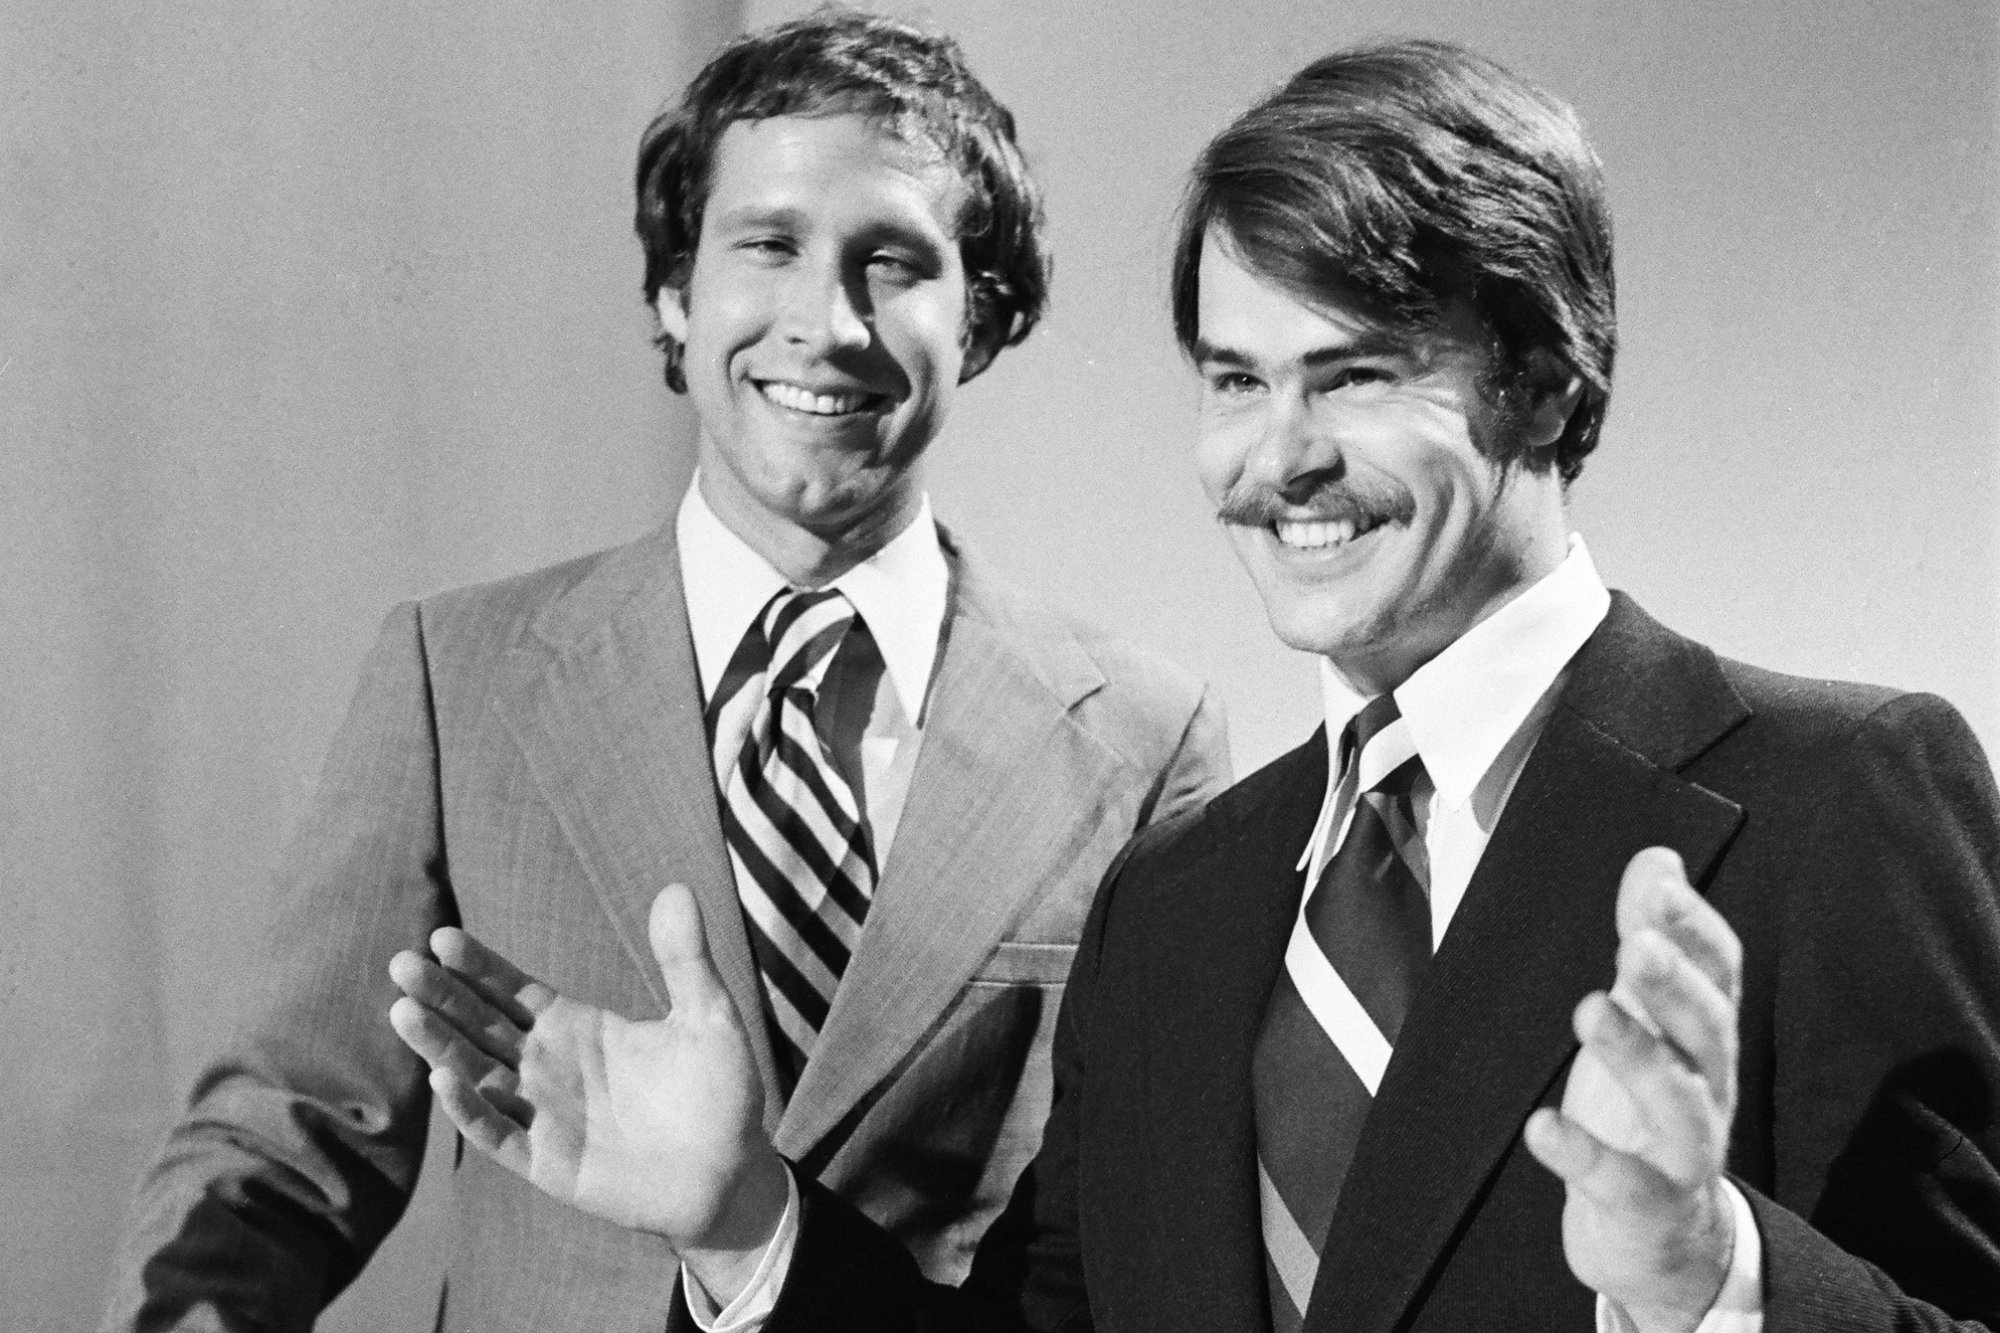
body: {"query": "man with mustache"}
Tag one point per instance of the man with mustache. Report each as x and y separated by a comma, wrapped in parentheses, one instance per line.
(892, 781)
(1332, 1055)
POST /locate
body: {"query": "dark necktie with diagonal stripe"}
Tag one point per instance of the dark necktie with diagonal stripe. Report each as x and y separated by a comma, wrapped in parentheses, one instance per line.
(798, 838)
(1351, 970)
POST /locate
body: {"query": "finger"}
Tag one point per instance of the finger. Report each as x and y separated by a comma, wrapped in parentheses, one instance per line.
(443, 1048)
(1654, 893)
(1677, 1000)
(1562, 1145)
(484, 1126)
(1608, 1178)
(1652, 880)
(1706, 938)
(681, 950)
(445, 995)
(507, 987)
(1675, 1103)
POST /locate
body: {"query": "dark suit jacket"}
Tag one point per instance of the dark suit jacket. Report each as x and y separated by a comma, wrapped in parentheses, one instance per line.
(1851, 836)
(528, 759)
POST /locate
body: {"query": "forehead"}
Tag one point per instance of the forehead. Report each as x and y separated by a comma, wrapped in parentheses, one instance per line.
(847, 167)
(1248, 312)
(1254, 317)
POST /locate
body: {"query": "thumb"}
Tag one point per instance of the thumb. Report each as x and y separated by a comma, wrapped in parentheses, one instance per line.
(681, 949)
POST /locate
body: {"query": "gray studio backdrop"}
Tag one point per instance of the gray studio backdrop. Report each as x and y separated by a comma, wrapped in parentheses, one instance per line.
(305, 308)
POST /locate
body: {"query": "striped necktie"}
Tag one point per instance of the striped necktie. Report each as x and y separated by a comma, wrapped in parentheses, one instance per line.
(1351, 970)
(798, 838)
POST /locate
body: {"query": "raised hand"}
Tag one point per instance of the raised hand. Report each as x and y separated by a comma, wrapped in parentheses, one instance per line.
(653, 1125)
(1644, 1126)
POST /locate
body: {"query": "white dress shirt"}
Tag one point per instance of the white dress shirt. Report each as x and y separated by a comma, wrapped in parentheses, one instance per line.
(871, 704)
(1475, 712)
(870, 712)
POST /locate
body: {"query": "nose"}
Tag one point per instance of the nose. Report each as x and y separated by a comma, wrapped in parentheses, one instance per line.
(825, 310)
(1293, 454)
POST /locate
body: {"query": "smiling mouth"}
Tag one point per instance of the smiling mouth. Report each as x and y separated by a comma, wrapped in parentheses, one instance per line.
(1323, 534)
(797, 398)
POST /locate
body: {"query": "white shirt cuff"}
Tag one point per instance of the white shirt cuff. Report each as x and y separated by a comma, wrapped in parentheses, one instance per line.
(753, 1304)
(1739, 1306)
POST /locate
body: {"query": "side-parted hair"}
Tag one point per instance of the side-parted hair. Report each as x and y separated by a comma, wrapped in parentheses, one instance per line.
(839, 62)
(1392, 179)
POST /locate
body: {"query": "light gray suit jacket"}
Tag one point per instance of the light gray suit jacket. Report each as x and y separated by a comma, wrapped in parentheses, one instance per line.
(527, 758)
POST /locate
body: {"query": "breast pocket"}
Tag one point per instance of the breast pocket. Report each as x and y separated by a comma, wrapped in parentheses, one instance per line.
(1020, 962)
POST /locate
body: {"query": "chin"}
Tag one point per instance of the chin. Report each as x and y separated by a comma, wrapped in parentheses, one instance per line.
(833, 504)
(1307, 633)
(807, 491)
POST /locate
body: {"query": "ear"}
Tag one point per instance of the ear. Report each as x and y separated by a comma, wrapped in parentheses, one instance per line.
(980, 349)
(1554, 392)
(986, 329)
(671, 307)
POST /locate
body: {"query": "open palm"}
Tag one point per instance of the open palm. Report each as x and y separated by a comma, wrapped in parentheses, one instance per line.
(653, 1125)
(1642, 1137)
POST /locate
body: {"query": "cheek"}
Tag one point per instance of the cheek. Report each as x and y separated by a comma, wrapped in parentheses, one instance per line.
(924, 333)
(734, 320)
(730, 311)
(940, 355)
(1464, 497)
(1218, 460)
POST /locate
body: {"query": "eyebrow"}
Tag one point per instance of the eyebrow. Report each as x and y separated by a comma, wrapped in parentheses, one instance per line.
(786, 218)
(758, 215)
(1373, 342)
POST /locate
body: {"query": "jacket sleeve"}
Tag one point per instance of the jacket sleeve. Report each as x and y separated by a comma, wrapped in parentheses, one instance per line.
(1887, 1029)
(301, 1141)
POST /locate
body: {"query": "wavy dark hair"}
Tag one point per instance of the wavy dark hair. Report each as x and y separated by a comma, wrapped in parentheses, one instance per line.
(840, 61)
(1394, 178)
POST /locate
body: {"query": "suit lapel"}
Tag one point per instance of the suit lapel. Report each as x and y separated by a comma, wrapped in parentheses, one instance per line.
(1491, 1032)
(1213, 941)
(608, 713)
(1005, 784)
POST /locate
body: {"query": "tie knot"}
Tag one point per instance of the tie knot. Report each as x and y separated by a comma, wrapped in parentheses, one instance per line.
(803, 628)
(1377, 746)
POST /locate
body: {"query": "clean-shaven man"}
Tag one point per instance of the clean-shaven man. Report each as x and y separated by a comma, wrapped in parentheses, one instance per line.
(1332, 1056)
(891, 781)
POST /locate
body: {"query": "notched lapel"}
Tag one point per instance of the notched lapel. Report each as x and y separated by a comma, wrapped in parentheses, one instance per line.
(1006, 785)
(1212, 939)
(608, 714)
(1491, 1032)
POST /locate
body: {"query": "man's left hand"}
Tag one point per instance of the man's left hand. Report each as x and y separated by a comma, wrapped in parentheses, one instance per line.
(1644, 1126)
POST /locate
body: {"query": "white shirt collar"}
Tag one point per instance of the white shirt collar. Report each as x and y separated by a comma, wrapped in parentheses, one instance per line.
(900, 592)
(1465, 704)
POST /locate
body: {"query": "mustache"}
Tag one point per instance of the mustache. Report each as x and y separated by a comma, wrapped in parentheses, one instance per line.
(1366, 504)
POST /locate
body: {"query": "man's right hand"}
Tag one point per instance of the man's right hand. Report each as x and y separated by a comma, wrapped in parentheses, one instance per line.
(655, 1125)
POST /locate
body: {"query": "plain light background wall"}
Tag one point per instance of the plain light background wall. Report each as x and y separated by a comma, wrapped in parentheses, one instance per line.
(1802, 462)
(306, 309)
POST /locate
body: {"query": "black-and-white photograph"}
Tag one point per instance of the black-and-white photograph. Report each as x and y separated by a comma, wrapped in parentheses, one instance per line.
(778, 667)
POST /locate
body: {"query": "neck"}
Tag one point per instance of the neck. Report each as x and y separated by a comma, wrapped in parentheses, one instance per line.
(811, 555)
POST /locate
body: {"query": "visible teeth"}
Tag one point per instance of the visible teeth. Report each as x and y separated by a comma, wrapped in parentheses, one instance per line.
(1315, 535)
(818, 404)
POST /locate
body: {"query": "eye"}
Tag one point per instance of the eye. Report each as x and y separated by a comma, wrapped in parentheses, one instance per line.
(1232, 383)
(768, 249)
(1355, 376)
(896, 268)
